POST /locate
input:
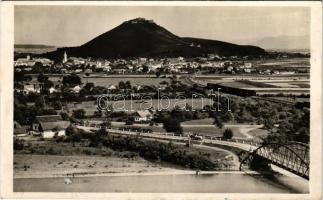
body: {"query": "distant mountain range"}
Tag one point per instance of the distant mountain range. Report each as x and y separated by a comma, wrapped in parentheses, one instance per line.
(144, 38)
(33, 48)
(284, 42)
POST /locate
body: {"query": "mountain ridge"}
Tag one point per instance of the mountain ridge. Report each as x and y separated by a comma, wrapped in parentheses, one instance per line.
(144, 38)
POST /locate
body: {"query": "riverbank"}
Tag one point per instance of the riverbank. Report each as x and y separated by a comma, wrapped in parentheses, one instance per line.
(45, 166)
(40, 159)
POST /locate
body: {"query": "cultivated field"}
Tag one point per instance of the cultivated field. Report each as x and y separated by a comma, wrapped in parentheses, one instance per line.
(135, 105)
(107, 81)
(104, 81)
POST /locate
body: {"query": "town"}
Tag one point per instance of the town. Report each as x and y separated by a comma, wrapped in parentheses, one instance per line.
(171, 105)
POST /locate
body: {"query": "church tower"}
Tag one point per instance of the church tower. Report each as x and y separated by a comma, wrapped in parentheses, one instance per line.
(65, 57)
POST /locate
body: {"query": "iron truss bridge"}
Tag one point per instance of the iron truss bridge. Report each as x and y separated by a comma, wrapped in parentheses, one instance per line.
(291, 156)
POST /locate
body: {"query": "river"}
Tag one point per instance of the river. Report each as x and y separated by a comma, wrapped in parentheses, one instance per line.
(205, 183)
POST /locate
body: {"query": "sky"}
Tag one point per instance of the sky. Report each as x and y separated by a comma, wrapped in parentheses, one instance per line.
(75, 25)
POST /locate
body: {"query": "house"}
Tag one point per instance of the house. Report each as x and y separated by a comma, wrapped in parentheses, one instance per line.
(50, 125)
(268, 71)
(31, 88)
(76, 89)
(112, 87)
(287, 72)
(106, 68)
(230, 68)
(52, 90)
(24, 62)
(247, 65)
(78, 71)
(143, 116)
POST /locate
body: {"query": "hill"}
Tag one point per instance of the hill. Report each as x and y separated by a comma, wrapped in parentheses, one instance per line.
(144, 38)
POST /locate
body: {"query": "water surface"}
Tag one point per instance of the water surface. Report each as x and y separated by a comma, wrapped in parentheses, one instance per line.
(214, 183)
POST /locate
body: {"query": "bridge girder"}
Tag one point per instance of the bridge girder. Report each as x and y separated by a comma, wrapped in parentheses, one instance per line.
(292, 156)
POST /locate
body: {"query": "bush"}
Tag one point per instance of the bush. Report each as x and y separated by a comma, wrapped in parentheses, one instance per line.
(80, 113)
(72, 79)
(160, 151)
(227, 133)
(129, 122)
(172, 125)
(18, 144)
(57, 105)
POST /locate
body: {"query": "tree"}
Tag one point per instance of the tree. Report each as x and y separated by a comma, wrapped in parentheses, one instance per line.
(106, 123)
(64, 115)
(40, 102)
(130, 121)
(38, 67)
(98, 113)
(71, 131)
(72, 79)
(172, 125)
(268, 123)
(57, 105)
(18, 144)
(88, 86)
(122, 85)
(227, 133)
(145, 69)
(46, 85)
(42, 78)
(128, 85)
(218, 122)
(20, 76)
(158, 74)
(80, 113)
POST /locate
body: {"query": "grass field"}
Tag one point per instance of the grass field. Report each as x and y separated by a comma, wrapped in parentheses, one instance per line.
(134, 105)
(295, 62)
(205, 121)
(111, 80)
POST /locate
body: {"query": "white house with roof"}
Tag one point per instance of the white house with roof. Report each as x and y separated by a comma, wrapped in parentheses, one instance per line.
(143, 116)
(112, 87)
(50, 125)
(247, 65)
(52, 90)
(31, 88)
(76, 89)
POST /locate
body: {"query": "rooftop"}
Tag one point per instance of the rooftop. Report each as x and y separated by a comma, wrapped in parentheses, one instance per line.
(50, 122)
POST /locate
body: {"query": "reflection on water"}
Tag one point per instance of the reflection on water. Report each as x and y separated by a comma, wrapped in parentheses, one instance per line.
(215, 183)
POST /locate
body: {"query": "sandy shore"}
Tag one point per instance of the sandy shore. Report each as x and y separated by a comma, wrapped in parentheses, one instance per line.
(32, 166)
(43, 166)
(50, 166)
(161, 173)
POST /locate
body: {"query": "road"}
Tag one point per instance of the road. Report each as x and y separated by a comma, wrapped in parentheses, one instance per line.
(243, 145)
(244, 129)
